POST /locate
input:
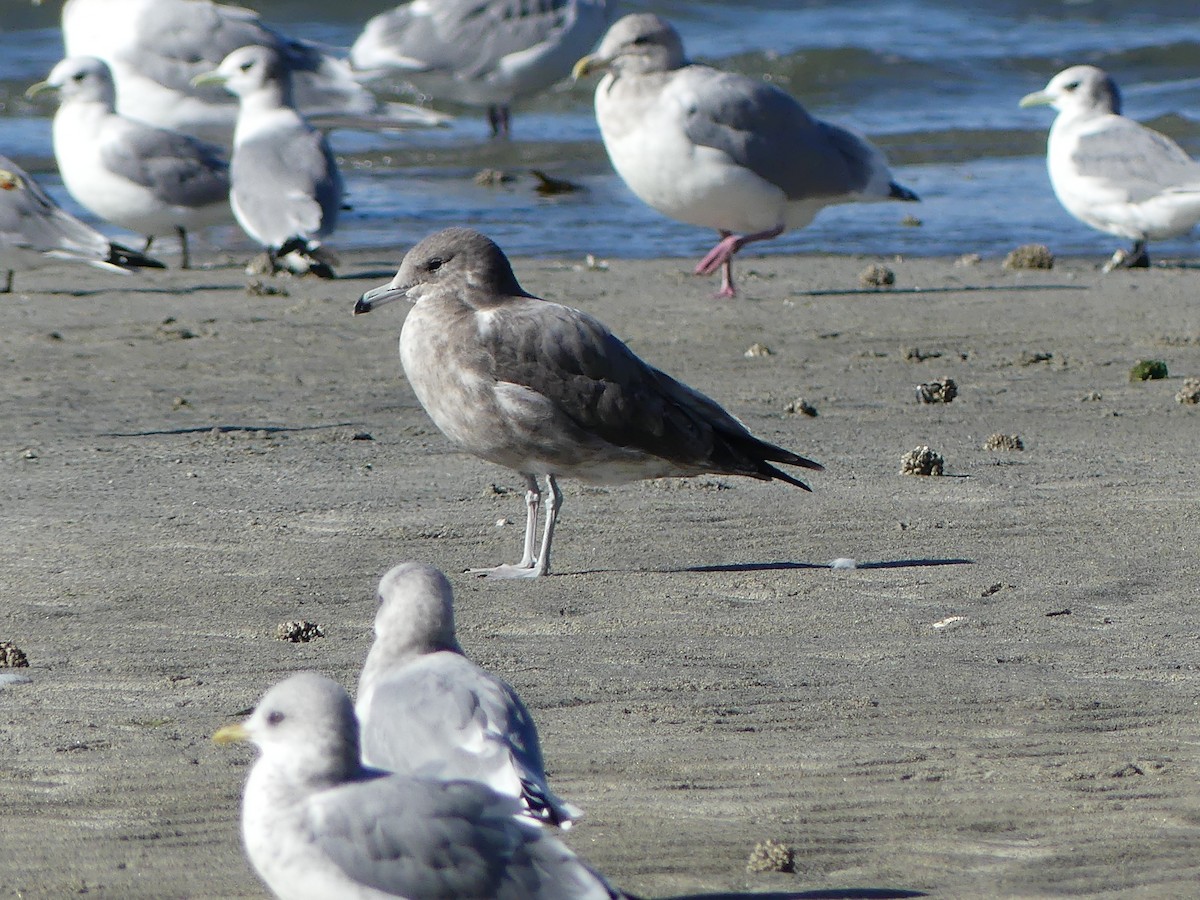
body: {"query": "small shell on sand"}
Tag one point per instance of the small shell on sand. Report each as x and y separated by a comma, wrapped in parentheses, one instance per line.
(758, 349)
(1030, 256)
(922, 461)
(771, 856)
(1000, 441)
(942, 391)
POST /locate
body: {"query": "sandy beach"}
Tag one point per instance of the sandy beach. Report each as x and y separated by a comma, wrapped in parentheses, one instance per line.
(999, 701)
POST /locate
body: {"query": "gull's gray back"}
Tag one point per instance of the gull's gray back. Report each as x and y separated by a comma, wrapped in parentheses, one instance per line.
(455, 840)
(286, 184)
(768, 132)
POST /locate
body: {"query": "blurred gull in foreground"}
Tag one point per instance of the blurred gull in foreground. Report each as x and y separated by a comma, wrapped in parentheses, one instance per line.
(1113, 173)
(35, 232)
(286, 188)
(720, 150)
(146, 179)
(427, 710)
(317, 823)
(156, 47)
(548, 390)
(487, 53)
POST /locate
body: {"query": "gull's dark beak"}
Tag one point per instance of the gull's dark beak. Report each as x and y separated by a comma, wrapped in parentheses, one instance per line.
(379, 296)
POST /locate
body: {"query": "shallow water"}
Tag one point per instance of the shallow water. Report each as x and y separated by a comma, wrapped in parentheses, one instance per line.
(934, 84)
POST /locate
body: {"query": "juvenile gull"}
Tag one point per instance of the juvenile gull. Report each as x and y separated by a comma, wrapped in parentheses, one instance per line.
(427, 710)
(548, 390)
(487, 53)
(286, 189)
(156, 47)
(146, 179)
(316, 823)
(720, 150)
(1113, 173)
(35, 231)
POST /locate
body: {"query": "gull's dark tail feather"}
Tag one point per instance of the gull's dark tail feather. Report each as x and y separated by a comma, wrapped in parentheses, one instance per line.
(756, 456)
(131, 259)
(900, 192)
(787, 457)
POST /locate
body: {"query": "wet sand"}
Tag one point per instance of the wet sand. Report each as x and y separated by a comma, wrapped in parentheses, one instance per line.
(1001, 700)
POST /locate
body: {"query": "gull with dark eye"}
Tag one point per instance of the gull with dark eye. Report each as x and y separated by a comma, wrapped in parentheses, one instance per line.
(1113, 173)
(720, 150)
(285, 186)
(317, 823)
(155, 48)
(149, 180)
(549, 391)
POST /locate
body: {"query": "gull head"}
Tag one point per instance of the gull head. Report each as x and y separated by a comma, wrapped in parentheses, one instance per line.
(636, 44)
(305, 729)
(416, 609)
(248, 70)
(1079, 89)
(83, 78)
(457, 259)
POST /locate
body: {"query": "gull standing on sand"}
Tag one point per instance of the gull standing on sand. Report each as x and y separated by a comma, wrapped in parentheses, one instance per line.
(487, 53)
(286, 190)
(35, 231)
(316, 823)
(146, 179)
(1113, 173)
(156, 47)
(428, 711)
(548, 390)
(720, 150)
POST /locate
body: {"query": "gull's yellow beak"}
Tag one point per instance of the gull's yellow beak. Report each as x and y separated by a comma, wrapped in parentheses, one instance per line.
(1037, 98)
(231, 734)
(586, 66)
(213, 77)
(40, 88)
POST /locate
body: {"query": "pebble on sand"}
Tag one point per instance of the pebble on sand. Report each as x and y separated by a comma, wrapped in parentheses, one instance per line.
(1000, 441)
(299, 632)
(1148, 370)
(943, 390)
(801, 405)
(1190, 392)
(771, 856)
(1030, 256)
(12, 656)
(922, 461)
(876, 275)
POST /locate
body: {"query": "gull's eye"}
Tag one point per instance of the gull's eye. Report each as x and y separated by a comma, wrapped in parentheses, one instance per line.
(79, 76)
(246, 66)
(1074, 85)
(435, 263)
(275, 717)
(642, 39)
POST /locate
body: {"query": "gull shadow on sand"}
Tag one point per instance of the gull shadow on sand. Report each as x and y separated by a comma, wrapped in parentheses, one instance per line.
(958, 289)
(228, 429)
(782, 565)
(847, 893)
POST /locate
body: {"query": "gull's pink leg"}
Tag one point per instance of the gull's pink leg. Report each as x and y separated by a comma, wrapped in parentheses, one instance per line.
(722, 255)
